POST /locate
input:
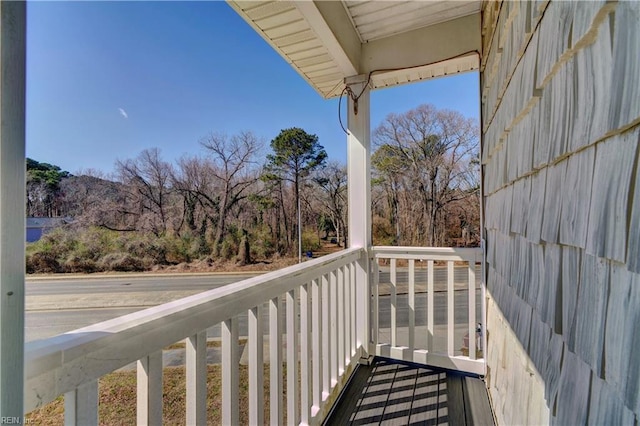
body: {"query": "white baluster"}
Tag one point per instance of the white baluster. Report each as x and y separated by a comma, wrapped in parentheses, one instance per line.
(376, 303)
(326, 340)
(316, 323)
(305, 355)
(256, 366)
(196, 375)
(430, 312)
(293, 403)
(230, 373)
(472, 310)
(275, 358)
(341, 321)
(81, 405)
(394, 304)
(333, 326)
(149, 400)
(450, 308)
(412, 304)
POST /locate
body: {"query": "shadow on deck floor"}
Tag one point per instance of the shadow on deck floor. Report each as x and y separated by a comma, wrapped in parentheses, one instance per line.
(389, 392)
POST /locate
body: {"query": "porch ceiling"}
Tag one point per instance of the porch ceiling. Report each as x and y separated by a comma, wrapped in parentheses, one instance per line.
(392, 42)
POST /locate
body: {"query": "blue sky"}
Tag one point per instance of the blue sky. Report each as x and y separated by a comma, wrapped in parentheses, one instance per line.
(106, 80)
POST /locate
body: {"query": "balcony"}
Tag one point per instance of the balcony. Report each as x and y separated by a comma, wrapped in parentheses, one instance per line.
(560, 221)
(314, 324)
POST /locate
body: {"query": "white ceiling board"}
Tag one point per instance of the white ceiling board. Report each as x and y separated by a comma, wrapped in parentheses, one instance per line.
(275, 21)
(380, 19)
(329, 41)
(454, 66)
(320, 25)
(428, 45)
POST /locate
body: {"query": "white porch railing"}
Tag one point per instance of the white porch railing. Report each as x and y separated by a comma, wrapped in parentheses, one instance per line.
(322, 342)
(321, 348)
(430, 307)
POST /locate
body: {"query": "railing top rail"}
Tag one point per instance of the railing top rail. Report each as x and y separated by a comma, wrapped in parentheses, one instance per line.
(62, 363)
(466, 254)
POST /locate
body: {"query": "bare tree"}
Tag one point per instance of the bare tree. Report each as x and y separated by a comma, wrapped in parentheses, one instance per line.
(427, 153)
(148, 178)
(234, 168)
(332, 180)
(193, 180)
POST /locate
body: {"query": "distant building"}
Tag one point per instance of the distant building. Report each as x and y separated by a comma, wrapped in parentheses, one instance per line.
(38, 226)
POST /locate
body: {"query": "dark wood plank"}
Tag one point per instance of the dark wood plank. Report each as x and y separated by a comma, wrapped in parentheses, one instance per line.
(424, 410)
(373, 402)
(346, 406)
(398, 408)
(455, 400)
(476, 402)
(396, 393)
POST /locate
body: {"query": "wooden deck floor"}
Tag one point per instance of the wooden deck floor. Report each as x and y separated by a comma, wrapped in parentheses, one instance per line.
(392, 393)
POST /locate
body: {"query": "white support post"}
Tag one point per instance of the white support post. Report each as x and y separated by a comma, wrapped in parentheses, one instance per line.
(359, 174)
(230, 373)
(149, 399)
(293, 402)
(275, 359)
(196, 375)
(12, 206)
(81, 405)
(256, 367)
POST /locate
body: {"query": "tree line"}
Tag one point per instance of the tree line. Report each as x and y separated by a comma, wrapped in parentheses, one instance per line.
(234, 200)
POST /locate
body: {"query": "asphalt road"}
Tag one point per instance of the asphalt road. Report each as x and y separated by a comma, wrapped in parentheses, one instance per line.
(133, 283)
(201, 282)
(46, 323)
(43, 324)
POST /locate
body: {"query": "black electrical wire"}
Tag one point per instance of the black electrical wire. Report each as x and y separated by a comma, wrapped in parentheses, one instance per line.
(355, 99)
(339, 111)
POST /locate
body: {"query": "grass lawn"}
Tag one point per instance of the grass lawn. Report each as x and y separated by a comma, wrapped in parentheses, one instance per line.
(118, 399)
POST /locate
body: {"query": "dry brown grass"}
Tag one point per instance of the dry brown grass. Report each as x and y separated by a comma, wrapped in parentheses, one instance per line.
(210, 344)
(118, 399)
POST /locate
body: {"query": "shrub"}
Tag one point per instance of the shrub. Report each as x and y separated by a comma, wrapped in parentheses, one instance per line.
(79, 264)
(42, 262)
(176, 249)
(199, 247)
(383, 233)
(229, 249)
(59, 243)
(310, 241)
(94, 243)
(123, 262)
(144, 247)
(261, 241)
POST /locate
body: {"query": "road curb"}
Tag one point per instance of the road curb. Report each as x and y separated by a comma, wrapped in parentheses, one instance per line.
(134, 275)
